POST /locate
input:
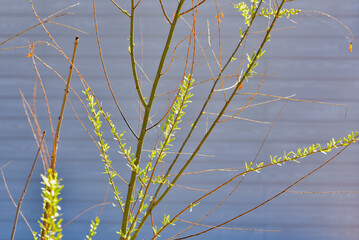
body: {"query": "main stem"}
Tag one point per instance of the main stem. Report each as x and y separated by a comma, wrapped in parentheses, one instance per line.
(148, 107)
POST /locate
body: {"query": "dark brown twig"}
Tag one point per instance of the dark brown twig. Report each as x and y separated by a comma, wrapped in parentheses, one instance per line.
(26, 185)
(187, 11)
(10, 196)
(164, 12)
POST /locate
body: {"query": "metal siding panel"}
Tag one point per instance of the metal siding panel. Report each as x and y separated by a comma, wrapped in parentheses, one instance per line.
(312, 60)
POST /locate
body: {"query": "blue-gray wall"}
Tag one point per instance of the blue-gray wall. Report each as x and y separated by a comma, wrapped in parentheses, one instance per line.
(311, 61)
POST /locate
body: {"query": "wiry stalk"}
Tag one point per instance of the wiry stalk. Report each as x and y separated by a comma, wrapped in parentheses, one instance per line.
(26, 186)
(61, 116)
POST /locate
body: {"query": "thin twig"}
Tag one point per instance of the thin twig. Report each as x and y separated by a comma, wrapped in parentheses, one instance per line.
(250, 99)
(199, 155)
(58, 128)
(12, 199)
(104, 200)
(67, 26)
(26, 185)
(105, 72)
(121, 9)
(235, 169)
(45, 21)
(139, 1)
(178, 90)
(329, 192)
(132, 55)
(291, 99)
(44, 93)
(220, 48)
(338, 21)
(44, 156)
(60, 11)
(164, 12)
(86, 210)
(235, 117)
(189, 10)
(229, 228)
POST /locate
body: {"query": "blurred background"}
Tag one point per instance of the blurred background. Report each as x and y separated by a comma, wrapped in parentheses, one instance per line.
(308, 58)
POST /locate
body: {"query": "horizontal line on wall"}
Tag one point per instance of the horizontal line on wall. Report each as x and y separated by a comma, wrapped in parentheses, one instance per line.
(125, 56)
